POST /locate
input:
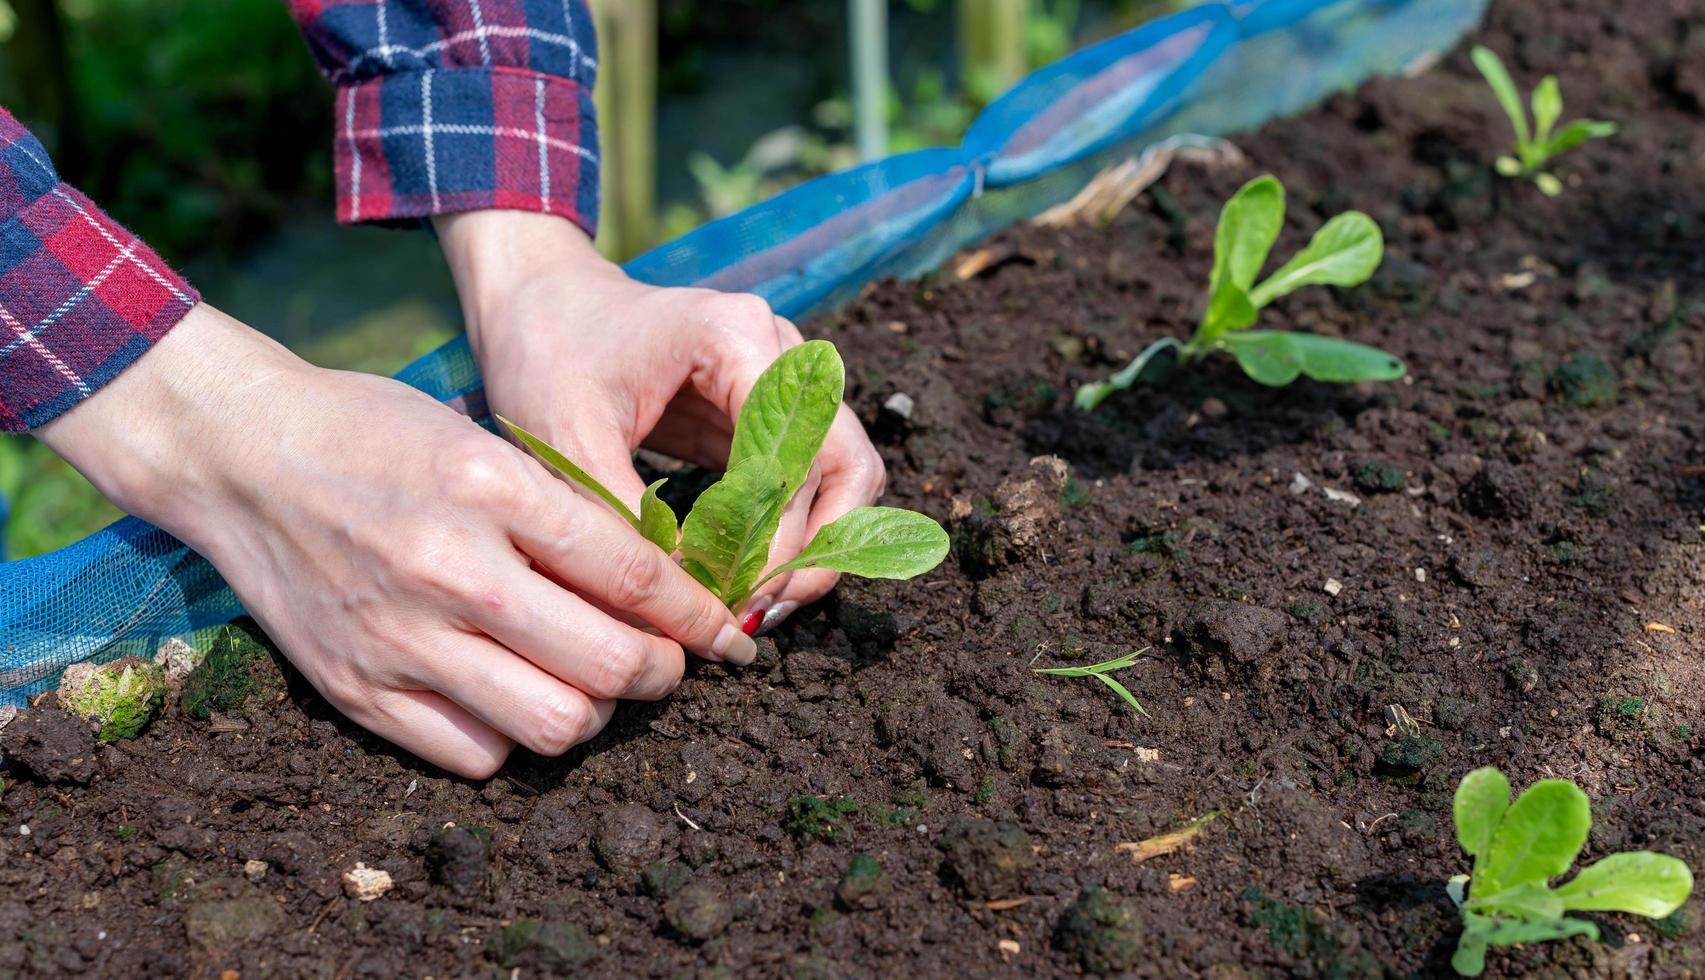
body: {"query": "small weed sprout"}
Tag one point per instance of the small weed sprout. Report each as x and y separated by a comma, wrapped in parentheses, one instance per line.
(1538, 145)
(1344, 252)
(1099, 672)
(725, 540)
(1518, 848)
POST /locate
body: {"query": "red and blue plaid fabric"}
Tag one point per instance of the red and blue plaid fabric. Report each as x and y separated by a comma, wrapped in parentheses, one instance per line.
(80, 297)
(442, 106)
(458, 105)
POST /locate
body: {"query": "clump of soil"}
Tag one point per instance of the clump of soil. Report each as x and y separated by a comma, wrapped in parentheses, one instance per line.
(1511, 554)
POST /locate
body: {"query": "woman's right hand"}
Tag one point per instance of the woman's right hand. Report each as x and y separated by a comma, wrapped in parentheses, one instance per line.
(436, 585)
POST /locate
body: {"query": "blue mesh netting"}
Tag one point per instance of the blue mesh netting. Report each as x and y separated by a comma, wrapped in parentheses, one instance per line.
(1215, 69)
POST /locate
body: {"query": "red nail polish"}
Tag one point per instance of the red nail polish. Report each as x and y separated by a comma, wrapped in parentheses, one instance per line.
(753, 620)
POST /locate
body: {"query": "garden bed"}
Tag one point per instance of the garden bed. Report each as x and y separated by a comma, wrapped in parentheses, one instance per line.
(1510, 551)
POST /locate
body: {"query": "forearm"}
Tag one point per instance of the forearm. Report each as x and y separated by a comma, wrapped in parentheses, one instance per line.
(159, 440)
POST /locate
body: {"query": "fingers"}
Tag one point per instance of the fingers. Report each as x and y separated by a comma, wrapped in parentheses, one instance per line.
(511, 695)
(434, 728)
(598, 555)
(789, 540)
(852, 475)
(578, 644)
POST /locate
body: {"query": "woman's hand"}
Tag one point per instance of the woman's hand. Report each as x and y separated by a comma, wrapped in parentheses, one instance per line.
(435, 584)
(599, 364)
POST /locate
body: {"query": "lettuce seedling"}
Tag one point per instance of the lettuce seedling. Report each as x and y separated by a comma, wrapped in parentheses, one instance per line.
(1344, 252)
(1099, 672)
(1518, 848)
(1536, 147)
(725, 540)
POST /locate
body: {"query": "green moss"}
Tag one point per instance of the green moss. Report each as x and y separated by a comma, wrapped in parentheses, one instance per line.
(1584, 381)
(1105, 936)
(126, 832)
(120, 697)
(553, 947)
(1074, 493)
(827, 820)
(985, 792)
(238, 674)
(1305, 936)
(1374, 476)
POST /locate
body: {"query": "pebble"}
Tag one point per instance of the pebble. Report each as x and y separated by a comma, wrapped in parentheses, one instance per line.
(1333, 586)
(627, 838)
(6, 715)
(1213, 408)
(987, 859)
(698, 911)
(900, 404)
(361, 883)
(457, 858)
(255, 869)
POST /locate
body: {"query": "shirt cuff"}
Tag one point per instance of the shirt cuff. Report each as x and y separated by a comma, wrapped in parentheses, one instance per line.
(81, 299)
(414, 144)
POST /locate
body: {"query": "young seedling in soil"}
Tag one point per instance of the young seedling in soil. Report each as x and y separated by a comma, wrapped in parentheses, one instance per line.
(1100, 671)
(1344, 252)
(725, 540)
(1518, 848)
(1537, 146)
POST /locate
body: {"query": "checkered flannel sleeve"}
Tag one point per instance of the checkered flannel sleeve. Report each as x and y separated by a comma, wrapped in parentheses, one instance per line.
(80, 297)
(459, 105)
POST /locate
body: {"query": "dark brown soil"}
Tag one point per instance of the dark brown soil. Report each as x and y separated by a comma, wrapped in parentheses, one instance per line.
(893, 792)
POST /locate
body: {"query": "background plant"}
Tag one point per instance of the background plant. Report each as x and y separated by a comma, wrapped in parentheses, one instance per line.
(725, 540)
(1100, 672)
(1518, 848)
(1537, 146)
(1344, 252)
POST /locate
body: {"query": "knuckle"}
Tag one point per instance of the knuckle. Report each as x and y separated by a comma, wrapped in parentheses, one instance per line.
(560, 723)
(741, 311)
(636, 576)
(481, 476)
(619, 666)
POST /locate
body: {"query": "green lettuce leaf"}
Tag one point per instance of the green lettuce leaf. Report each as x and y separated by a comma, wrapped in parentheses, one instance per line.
(1277, 358)
(725, 541)
(874, 542)
(789, 410)
(1640, 882)
(1344, 252)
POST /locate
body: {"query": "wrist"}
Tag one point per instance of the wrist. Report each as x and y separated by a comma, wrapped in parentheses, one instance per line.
(494, 254)
(156, 440)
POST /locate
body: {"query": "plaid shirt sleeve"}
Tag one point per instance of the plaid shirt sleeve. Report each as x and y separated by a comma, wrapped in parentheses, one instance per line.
(459, 105)
(80, 297)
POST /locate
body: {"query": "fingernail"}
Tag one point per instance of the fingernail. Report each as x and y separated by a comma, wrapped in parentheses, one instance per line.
(734, 646)
(777, 613)
(754, 617)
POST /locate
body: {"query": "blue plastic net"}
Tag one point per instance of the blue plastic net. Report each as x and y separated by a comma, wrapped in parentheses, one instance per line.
(1212, 70)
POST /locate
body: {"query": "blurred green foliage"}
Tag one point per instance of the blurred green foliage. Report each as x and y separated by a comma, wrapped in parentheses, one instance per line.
(51, 504)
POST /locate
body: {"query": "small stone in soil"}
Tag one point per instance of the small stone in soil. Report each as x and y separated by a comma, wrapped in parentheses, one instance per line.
(223, 921)
(118, 698)
(366, 884)
(457, 858)
(1103, 935)
(661, 880)
(864, 886)
(986, 859)
(255, 869)
(627, 838)
(699, 911)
